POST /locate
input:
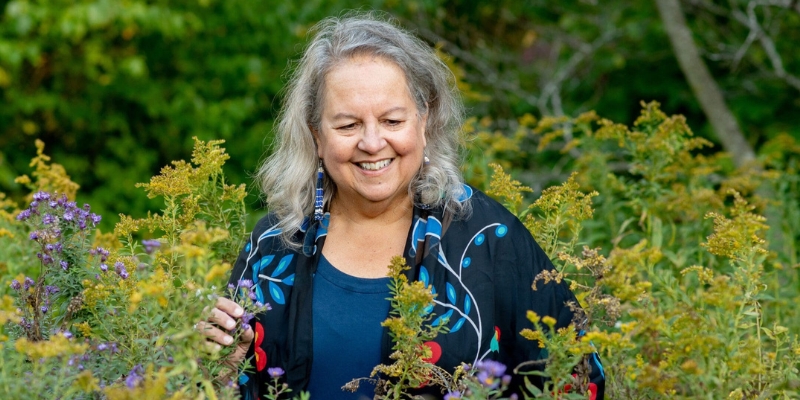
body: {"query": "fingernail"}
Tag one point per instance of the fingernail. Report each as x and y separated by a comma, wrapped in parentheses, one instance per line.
(239, 311)
(231, 323)
(228, 340)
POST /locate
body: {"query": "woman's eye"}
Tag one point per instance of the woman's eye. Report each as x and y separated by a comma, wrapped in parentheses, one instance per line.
(393, 122)
(347, 127)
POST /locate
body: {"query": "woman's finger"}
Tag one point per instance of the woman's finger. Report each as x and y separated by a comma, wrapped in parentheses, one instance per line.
(222, 319)
(229, 307)
(247, 337)
(213, 333)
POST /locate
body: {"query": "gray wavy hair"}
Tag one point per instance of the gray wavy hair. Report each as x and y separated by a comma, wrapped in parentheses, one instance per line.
(288, 176)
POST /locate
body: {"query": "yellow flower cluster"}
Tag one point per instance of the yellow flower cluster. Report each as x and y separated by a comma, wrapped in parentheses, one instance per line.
(57, 346)
(48, 177)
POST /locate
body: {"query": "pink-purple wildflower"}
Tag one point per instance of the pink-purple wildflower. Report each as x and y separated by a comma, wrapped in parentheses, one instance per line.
(275, 372)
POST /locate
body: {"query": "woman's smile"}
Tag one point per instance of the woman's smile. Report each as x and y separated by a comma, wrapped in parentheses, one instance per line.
(375, 166)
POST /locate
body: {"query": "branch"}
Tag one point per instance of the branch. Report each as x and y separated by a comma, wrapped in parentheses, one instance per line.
(702, 83)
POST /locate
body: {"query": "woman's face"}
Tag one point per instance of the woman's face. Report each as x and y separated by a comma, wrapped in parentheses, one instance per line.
(371, 137)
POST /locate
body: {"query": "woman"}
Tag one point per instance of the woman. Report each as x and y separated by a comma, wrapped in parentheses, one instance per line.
(365, 169)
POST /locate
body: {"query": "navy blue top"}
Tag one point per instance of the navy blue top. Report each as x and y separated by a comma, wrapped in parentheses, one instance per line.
(347, 314)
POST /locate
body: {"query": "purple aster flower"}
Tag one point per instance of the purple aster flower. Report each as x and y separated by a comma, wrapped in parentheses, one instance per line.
(28, 283)
(95, 219)
(135, 376)
(513, 396)
(506, 379)
(275, 372)
(494, 368)
(50, 289)
(69, 215)
(80, 367)
(231, 287)
(56, 232)
(121, 271)
(34, 204)
(246, 318)
(53, 204)
(456, 395)
(23, 215)
(102, 347)
(48, 219)
(34, 235)
(41, 196)
(252, 295)
(47, 259)
(59, 247)
(86, 207)
(246, 283)
(67, 334)
(70, 204)
(82, 224)
(49, 247)
(103, 267)
(15, 284)
(44, 309)
(486, 379)
(151, 245)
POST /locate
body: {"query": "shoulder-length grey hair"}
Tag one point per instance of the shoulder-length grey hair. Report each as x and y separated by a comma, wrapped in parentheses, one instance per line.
(288, 175)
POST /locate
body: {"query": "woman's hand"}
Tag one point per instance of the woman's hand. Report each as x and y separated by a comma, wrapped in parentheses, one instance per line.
(224, 315)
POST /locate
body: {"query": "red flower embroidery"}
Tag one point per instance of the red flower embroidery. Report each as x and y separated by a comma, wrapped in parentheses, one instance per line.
(436, 352)
(261, 356)
(592, 389)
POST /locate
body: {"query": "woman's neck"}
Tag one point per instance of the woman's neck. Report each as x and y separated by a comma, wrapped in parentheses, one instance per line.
(372, 213)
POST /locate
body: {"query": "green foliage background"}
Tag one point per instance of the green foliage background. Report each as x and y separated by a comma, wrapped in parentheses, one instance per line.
(118, 88)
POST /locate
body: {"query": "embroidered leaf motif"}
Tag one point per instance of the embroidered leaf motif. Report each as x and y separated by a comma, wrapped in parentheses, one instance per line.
(423, 276)
(276, 293)
(451, 293)
(458, 325)
(261, 264)
(443, 317)
(282, 265)
(247, 250)
(266, 260)
(467, 304)
(259, 294)
(289, 280)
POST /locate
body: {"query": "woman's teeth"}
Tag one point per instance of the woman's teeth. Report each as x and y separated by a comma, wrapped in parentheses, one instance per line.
(375, 166)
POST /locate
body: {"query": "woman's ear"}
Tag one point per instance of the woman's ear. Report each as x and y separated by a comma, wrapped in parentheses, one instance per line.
(315, 133)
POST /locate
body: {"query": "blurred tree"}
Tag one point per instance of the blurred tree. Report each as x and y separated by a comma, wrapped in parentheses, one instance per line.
(703, 84)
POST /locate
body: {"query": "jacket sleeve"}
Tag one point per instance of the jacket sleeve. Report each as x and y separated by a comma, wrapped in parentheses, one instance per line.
(518, 268)
(251, 384)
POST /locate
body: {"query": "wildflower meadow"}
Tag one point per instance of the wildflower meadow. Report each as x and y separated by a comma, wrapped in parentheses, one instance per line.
(685, 266)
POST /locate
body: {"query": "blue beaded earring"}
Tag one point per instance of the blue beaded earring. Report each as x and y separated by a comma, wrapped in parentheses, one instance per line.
(318, 199)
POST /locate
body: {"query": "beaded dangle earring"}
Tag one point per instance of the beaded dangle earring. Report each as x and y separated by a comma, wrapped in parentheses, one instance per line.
(318, 199)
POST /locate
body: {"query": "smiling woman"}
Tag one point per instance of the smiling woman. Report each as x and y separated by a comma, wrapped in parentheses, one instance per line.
(365, 168)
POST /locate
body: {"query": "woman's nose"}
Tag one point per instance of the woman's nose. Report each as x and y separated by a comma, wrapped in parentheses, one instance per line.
(372, 140)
